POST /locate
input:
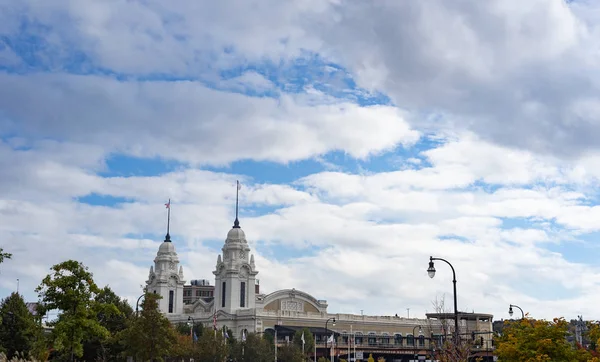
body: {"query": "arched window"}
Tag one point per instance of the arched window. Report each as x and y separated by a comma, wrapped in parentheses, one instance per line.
(410, 340)
(372, 339)
(358, 338)
(421, 340)
(398, 339)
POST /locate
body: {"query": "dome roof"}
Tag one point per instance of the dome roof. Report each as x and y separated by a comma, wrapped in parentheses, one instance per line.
(236, 234)
(166, 247)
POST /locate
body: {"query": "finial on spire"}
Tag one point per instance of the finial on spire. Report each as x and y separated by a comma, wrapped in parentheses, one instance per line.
(168, 206)
(236, 223)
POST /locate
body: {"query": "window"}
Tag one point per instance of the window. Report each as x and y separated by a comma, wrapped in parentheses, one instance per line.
(410, 340)
(421, 340)
(243, 294)
(171, 294)
(398, 339)
(358, 339)
(223, 289)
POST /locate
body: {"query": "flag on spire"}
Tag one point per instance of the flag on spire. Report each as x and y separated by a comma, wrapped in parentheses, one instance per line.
(302, 338)
(168, 204)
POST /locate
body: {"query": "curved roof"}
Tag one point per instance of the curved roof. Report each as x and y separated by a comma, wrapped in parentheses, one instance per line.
(287, 293)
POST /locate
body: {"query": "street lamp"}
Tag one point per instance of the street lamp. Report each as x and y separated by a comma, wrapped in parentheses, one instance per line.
(193, 324)
(137, 304)
(327, 333)
(415, 340)
(420, 332)
(431, 273)
(510, 311)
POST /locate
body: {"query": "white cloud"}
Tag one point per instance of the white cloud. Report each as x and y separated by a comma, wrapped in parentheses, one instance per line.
(518, 77)
(188, 122)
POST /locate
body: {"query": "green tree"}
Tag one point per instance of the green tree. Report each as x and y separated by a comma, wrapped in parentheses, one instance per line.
(150, 335)
(309, 341)
(290, 353)
(108, 349)
(18, 329)
(530, 340)
(4, 255)
(255, 348)
(70, 288)
(211, 347)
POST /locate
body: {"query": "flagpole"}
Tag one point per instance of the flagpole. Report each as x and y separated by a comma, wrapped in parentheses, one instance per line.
(236, 223)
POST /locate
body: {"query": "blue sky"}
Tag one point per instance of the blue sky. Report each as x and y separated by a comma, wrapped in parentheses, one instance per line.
(361, 150)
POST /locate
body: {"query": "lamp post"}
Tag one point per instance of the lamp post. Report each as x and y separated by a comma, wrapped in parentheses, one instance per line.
(431, 273)
(415, 340)
(327, 333)
(137, 304)
(193, 324)
(510, 311)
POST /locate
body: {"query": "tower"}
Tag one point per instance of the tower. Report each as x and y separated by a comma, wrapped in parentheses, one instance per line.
(166, 276)
(235, 274)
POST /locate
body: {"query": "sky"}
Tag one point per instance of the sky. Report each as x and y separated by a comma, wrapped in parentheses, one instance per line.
(367, 136)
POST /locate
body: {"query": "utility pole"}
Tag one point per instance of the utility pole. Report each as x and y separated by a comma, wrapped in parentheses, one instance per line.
(407, 312)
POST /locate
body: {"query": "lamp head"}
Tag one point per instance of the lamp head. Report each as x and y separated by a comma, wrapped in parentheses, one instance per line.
(333, 324)
(420, 330)
(510, 311)
(431, 269)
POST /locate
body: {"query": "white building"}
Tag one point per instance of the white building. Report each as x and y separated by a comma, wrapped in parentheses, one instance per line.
(239, 305)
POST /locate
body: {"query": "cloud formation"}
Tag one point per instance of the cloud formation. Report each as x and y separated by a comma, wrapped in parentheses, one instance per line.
(367, 137)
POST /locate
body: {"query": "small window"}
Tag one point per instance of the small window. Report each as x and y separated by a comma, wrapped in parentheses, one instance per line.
(243, 294)
(223, 290)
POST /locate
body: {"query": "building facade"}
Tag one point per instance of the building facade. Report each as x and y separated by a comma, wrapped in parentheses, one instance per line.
(236, 302)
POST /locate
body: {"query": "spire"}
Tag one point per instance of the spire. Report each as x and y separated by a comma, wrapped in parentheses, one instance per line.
(236, 223)
(168, 206)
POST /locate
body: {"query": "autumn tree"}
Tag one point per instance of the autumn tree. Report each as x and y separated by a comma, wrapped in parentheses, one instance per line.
(150, 335)
(309, 340)
(530, 340)
(71, 290)
(18, 329)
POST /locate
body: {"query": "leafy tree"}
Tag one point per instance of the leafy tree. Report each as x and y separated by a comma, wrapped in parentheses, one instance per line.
(184, 347)
(531, 340)
(290, 353)
(323, 359)
(4, 255)
(70, 289)
(309, 340)
(211, 347)
(109, 349)
(18, 329)
(184, 329)
(255, 348)
(150, 335)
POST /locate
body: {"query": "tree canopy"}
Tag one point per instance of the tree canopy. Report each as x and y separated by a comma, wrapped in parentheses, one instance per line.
(4, 255)
(530, 340)
(18, 328)
(70, 289)
(150, 335)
